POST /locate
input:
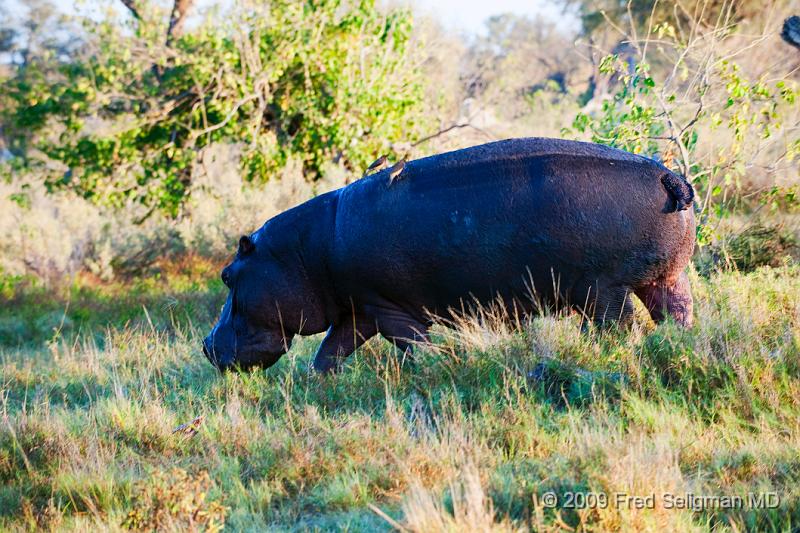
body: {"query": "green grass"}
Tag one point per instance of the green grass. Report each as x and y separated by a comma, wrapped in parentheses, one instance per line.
(464, 441)
(179, 295)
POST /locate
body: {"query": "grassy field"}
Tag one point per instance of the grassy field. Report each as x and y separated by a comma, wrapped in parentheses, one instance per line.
(494, 418)
(134, 153)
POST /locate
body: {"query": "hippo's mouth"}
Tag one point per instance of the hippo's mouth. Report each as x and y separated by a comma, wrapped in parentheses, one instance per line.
(252, 356)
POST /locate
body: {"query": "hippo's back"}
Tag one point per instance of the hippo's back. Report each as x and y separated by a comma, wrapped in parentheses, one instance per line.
(502, 217)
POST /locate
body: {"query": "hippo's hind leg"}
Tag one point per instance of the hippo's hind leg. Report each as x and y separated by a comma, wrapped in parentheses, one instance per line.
(663, 299)
(604, 305)
(341, 340)
(402, 330)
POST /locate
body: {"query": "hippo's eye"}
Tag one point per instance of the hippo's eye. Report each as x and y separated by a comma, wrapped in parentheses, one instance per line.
(226, 278)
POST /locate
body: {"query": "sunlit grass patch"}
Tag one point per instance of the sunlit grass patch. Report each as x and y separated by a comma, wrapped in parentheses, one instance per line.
(490, 418)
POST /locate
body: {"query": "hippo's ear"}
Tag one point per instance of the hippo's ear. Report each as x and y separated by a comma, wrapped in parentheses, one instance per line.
(246, 245)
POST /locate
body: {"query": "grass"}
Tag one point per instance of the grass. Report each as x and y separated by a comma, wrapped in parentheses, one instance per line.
(493, 418)
(175, 294)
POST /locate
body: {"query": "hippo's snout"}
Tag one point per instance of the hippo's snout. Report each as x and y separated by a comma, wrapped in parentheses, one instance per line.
(260, 352)
(205, 349)
(212, 355)
(208, 351)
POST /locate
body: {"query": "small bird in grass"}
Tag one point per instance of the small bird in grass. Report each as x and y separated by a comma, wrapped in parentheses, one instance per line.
(377, 165)
(396, 171)
(189, 429)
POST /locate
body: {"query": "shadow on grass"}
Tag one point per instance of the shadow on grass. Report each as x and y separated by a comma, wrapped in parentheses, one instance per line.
(33, 314)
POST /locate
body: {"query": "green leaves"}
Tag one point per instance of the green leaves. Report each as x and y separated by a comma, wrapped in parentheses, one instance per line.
(128, 115)
(736, 119)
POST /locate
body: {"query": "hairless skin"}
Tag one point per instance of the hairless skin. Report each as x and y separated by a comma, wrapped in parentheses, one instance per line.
(535, 222)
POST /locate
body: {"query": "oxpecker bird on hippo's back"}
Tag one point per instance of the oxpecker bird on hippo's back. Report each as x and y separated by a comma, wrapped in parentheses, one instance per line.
(532, 223)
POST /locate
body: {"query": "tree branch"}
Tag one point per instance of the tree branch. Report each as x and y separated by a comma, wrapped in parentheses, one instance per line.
(449, 129)
(131, 5)
(179, 11)
(228, 117)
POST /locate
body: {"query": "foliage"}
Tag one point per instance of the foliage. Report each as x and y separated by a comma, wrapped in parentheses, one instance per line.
(701, 116)
(595, 14)
(320, 81)
(758, 246)
(516, 58)
(630, 120)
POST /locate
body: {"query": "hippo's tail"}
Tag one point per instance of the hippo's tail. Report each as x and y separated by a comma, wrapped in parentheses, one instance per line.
(679, 190)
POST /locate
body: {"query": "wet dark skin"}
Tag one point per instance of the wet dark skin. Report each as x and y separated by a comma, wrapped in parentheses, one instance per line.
(536, 222)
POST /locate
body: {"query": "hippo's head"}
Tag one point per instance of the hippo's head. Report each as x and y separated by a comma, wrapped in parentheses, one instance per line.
(257, 322)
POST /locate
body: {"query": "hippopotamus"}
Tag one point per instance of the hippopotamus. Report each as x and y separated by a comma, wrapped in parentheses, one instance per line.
(534, 224)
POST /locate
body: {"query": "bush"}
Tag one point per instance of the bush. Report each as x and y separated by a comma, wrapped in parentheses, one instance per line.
(124, 118)
(758, 246)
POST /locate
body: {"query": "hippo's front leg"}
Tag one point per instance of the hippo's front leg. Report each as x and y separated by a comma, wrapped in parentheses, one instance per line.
(341, 340)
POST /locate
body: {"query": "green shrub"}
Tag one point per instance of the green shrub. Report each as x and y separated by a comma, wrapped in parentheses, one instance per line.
(758, 246)
(127, 116)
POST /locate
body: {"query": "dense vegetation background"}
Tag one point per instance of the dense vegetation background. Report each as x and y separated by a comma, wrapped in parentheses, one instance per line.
(138, 143)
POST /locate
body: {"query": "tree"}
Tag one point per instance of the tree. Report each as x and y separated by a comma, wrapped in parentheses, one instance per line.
(595, 14)
(315, 81)
(609, 25)
(518, 56)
